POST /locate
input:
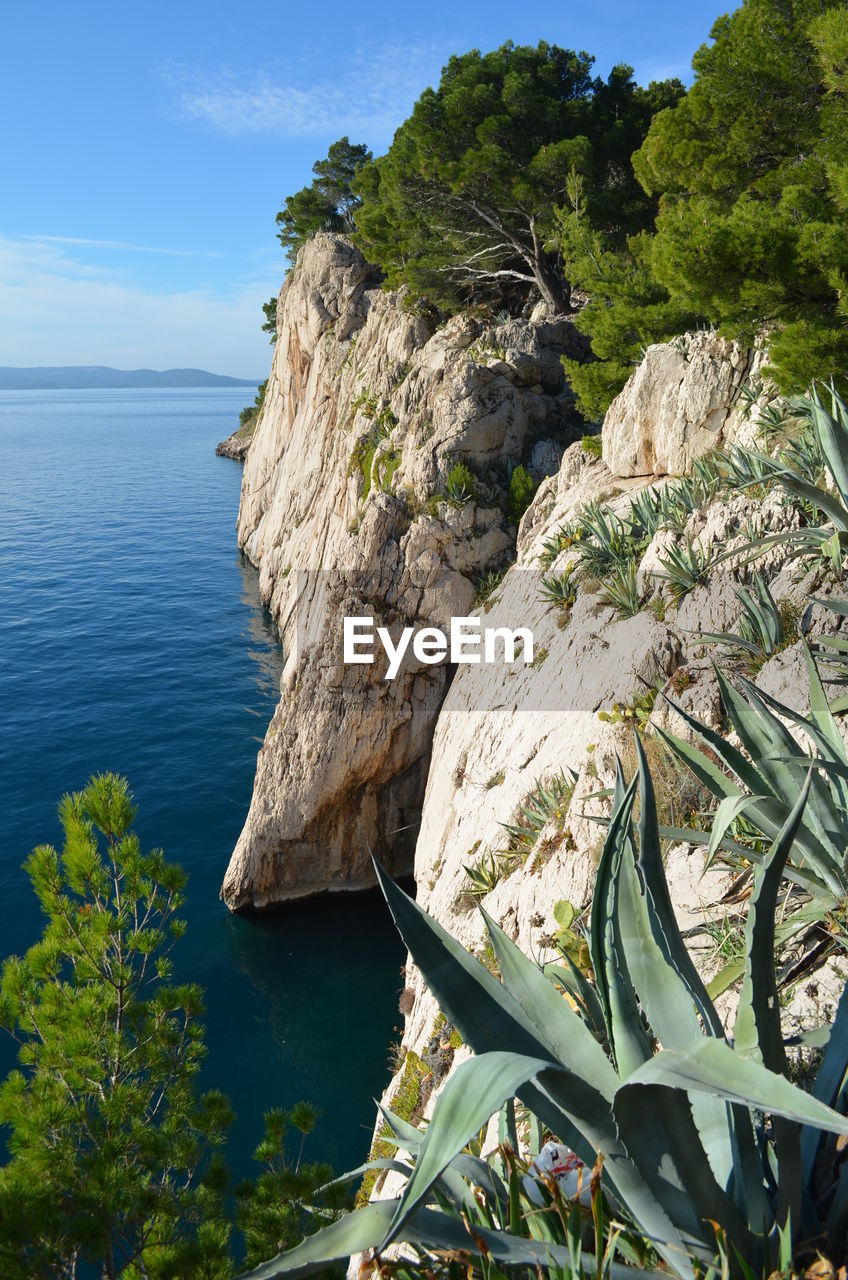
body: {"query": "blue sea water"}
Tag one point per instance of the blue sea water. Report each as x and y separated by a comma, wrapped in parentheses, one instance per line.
(132, 639)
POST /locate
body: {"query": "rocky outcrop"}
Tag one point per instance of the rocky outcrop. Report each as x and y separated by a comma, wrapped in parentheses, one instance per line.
(682, 401)
(375, 485)
(236, 445)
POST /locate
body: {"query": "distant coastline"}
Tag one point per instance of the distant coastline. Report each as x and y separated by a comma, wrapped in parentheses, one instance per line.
(93, 376)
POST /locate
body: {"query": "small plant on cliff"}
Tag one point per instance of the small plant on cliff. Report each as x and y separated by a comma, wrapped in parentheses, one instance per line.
(249, 416)
(606, 540)
(460, 485)
(621, 591)
(765, 627)
(763, 786)
(686, 566)
(522, 486)
(560, 589)
(548, 800)
(562, 540)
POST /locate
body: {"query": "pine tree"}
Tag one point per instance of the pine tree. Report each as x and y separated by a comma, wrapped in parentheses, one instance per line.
(329, 203)
(750, 167)
(461, 208)
(115, 1160)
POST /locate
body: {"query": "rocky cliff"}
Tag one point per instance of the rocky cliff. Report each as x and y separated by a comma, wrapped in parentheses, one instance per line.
(376, 483)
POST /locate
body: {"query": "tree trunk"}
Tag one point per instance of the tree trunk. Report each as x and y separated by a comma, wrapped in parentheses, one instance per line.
(555, 290)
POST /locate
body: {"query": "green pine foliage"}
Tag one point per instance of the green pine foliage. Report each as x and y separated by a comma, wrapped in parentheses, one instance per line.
(115, 1160)
(522, 486)
(627, 310)
(751, 172)
(271, 1211)
(461, 208)
(329, 203)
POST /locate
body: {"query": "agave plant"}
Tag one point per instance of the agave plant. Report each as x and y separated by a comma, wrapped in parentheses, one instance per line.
(833, 652)
(795, 471)
(484, 874)
(560, 589)
(765, 784)
(621, 590)
(677, 501)
(745, 468)
(554, 546)
(644, 514)
(685, 567)
(761, 626)
(708, 477)
(545, 801)
(675, 1134)
(605, 540)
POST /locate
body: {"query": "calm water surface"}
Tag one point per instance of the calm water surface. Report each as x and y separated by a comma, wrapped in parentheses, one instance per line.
(132, 639)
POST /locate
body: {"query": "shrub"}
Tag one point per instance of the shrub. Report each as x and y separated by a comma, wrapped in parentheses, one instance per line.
(459, 486)
(522, 486)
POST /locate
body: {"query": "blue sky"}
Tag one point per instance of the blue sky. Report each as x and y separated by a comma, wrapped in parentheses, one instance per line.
(146, 149)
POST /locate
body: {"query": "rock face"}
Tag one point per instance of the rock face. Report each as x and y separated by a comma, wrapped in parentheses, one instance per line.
(567, 716)
(681, 402)
(375, 485)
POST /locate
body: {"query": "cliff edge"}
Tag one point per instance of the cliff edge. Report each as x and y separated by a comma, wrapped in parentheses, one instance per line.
(377, 483)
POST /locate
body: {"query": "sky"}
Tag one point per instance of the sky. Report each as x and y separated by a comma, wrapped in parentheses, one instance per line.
(146, 148)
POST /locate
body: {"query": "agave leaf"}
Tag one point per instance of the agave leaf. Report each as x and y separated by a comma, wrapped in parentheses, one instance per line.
(468, 1099)
(430, 1230)
(702, 766)
(830, 1082)
(711, 1066)
(729, 638)
(771, 814)
(572, 980)
(757, 1027)
(821, 715)
(725, 815)
(726, 1132)
(725, 978)
(354, 1233)
(833, 443)
(805, 880)
(406, 1134)
(489, 1018)
(830, 506)
(657, 1126)
(557, 1023)
(396, 1166)
(838, 643)
(669, 990)
(627, 1037)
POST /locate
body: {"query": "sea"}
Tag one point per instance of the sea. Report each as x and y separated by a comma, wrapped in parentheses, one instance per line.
(133, 639)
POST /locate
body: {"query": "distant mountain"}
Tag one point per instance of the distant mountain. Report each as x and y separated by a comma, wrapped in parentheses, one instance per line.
(87, 376)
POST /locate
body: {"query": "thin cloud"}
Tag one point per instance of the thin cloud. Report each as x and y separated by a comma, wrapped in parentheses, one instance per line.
(84, 242)
(55, 309)
(369, 98)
